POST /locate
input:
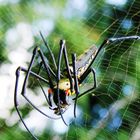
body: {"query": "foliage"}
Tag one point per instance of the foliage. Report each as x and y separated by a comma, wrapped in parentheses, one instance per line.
(81, 31)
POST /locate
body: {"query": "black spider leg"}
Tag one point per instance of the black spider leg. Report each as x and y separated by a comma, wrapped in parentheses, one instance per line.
(16, 87)
(29, 69)
(35, 75)
(39, 69)
(111, 40)
(16, 102)
(28, 72)
(26, 79)
(135, 37)
(47, 98)
(62, 46)
(38, 79)
(76, 87)
(67, 65)
(105, 42)
(51, 54)
(82, 79)
(36, 49)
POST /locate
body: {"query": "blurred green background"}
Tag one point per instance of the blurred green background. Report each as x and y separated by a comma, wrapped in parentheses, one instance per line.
(113, 113)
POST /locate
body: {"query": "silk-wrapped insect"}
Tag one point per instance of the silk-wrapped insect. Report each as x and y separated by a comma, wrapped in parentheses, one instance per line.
(65, 82)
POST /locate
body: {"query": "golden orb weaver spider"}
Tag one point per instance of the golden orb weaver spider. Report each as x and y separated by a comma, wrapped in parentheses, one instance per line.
(64, 85)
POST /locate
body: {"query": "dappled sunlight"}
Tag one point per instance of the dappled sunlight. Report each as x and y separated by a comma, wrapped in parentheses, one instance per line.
(20, 36)
(79, 6)
(111, 109)
(117, 2)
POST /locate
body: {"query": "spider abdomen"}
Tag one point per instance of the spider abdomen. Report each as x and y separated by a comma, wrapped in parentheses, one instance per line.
(85, 59)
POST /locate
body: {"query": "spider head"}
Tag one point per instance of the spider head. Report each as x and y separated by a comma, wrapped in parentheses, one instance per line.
(60, 102)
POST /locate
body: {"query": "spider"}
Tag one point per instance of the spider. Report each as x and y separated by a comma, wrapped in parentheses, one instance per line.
(63, 83)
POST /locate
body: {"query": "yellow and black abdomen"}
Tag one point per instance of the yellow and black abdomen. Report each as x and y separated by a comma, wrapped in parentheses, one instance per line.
(85, 60)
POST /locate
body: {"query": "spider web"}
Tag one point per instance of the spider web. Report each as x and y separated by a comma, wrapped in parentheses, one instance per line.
(111, 111)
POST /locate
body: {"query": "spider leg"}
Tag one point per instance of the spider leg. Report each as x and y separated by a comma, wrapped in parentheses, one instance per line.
(75, 81)
(111, 40)
(58, 78)
(63, 45)
(28, 73)
(42, 79)
(38, 72)
(82, 79)
(135, 37)
(30, 67)
(16, 103)
(51, 54)
(19, 69)
(39, 78)
(35, 75)
(51, 71)
(47, 98)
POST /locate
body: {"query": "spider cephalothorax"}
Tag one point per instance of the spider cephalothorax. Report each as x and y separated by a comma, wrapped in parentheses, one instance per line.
(65, 85)
(64, 91)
